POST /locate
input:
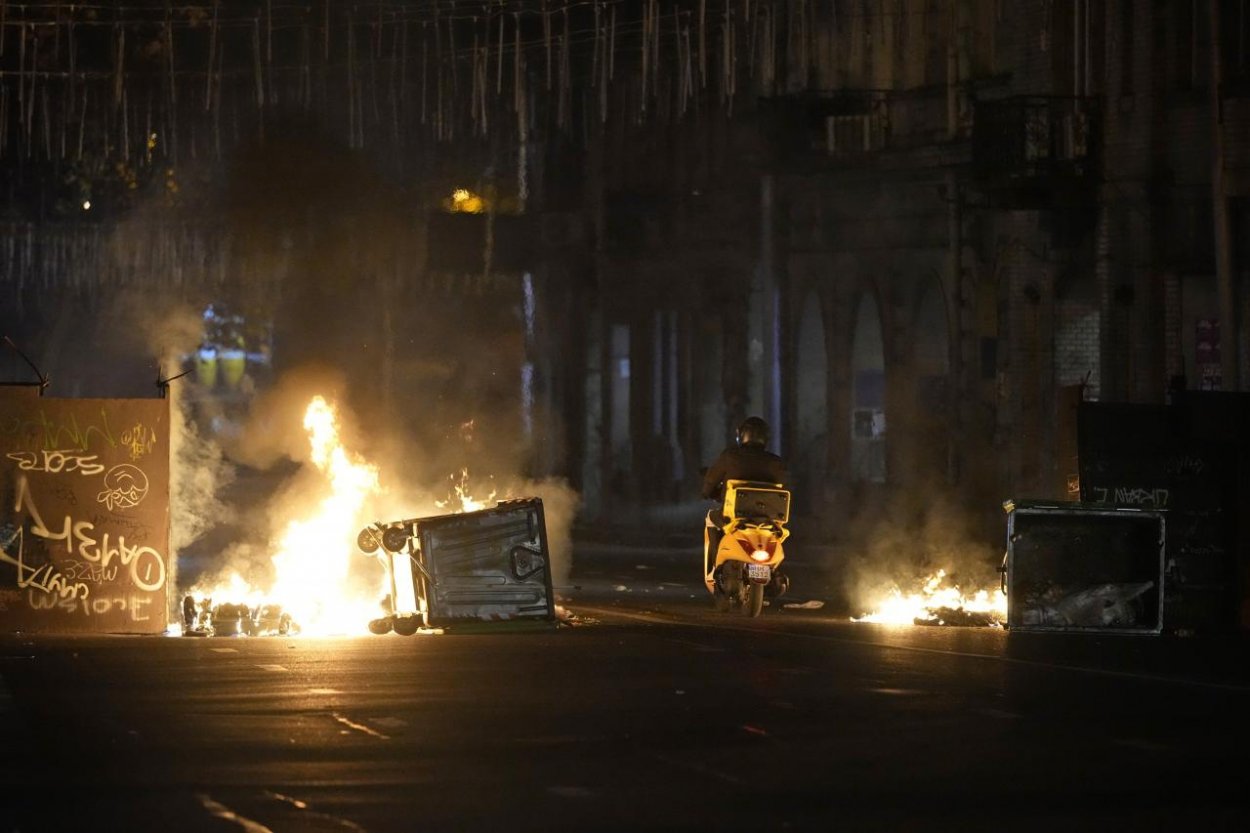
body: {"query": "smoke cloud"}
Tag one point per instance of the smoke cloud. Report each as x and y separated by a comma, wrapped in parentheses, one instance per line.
(913, 537)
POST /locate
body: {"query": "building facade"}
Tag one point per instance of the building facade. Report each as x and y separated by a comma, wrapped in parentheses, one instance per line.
(904, 231)
(935, 225)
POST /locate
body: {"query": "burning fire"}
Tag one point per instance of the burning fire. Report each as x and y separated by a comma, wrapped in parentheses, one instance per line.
(312, 588)
(314, 557)
(938, 602)
(461, 500)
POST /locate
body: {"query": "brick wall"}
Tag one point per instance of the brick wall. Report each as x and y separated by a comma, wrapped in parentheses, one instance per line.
(1077, 333)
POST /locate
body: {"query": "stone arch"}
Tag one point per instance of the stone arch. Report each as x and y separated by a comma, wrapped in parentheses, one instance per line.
(868, 386)
(929, 400)
(811, 401)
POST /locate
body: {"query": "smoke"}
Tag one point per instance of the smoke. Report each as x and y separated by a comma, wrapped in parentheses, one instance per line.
(560, 505)
(271, 430)
(916, 534)
(310, 240)
(199, 472)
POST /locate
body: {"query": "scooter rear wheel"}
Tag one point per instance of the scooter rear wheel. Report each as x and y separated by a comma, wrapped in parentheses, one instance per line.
(755, 600)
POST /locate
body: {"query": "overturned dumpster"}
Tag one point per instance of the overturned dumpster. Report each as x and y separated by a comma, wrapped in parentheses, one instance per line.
(1076, 567)
(489, 565)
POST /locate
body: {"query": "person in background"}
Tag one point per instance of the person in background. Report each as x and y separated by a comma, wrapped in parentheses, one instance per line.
(748, 459)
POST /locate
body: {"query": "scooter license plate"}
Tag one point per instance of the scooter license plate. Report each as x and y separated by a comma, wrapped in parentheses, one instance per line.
(759, 573)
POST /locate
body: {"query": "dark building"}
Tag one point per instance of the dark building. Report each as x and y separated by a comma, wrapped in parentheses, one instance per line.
(898, 229)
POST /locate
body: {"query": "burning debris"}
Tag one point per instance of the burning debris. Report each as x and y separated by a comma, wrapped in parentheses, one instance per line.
(311, 589)
(315, 587)
(939, 601)
(203, 618)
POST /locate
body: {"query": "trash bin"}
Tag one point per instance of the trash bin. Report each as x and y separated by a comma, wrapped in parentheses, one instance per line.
(489, 565)
(1077, 567)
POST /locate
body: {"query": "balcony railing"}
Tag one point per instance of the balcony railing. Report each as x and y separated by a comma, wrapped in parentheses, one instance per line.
(842, 124)
(1030, 137)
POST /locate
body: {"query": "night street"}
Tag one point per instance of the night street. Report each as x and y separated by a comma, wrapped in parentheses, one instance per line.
(653, 712)
(624, 415)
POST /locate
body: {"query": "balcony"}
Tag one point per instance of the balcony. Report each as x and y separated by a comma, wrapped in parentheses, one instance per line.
(1036, 151)
(816, 127)
(853, 129)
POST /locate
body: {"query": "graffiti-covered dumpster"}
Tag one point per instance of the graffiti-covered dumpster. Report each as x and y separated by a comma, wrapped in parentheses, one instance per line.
(1191, 461)
(84, 513)
(489, 565)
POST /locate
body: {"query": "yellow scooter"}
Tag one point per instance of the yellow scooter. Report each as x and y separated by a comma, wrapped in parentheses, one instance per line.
(748, 550)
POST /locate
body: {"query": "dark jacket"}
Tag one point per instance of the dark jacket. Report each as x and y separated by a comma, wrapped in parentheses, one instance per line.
(749, 462)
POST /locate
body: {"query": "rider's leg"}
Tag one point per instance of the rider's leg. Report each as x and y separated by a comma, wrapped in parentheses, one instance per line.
(712, 539)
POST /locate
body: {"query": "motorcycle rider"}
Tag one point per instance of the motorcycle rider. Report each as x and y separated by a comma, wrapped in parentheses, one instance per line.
(747, 460)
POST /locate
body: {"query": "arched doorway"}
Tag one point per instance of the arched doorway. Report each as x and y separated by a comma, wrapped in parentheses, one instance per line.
(867, 394)
(931, 364)
(811, 453)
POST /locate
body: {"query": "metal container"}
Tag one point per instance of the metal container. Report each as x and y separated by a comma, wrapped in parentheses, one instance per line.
(489, 565)
(1077, 567)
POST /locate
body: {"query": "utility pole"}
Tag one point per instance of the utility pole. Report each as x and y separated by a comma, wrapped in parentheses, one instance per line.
(1230, 332)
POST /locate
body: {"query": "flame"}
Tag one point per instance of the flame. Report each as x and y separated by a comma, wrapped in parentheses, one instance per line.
(937, 599)
(316, 553)
(460, 500)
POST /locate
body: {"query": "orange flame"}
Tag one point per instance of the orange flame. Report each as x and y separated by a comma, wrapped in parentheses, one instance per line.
(461, 500)
(316, 553)
(894, 607)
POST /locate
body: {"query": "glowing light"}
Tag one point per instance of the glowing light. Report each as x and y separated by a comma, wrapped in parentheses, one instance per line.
(937, 602)
(460, 500)
(315, 555)
(760, 555)
(465, 201)
(313, 563)
(86, 205)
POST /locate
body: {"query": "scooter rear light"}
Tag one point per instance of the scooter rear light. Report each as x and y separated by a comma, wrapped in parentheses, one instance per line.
(760, 555)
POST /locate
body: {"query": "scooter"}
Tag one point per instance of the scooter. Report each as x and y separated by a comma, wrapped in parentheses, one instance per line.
(748, 551)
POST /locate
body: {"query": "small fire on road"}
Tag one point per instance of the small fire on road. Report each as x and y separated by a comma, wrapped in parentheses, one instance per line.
(938, 601)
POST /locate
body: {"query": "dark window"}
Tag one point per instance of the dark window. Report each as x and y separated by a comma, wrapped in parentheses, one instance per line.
(989, 357)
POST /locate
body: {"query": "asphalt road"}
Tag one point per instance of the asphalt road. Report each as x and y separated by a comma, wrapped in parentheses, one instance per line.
(650, 713)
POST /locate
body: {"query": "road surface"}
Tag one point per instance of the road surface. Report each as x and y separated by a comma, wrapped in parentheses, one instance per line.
(652, 712)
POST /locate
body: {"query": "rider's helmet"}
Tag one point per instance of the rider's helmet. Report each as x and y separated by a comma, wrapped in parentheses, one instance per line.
(753, 431)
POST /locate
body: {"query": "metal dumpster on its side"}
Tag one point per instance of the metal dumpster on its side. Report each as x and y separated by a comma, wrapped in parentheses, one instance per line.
(489, 565)
(1076, 567)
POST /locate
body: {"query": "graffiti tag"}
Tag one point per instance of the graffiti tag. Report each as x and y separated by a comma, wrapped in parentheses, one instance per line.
(139, 440)
(136, 605)
(47, 433)
(125, 487)
(147, 565)
(1132, 496)
(56, 462)
(46, 578)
